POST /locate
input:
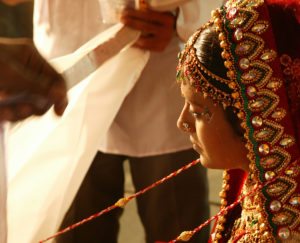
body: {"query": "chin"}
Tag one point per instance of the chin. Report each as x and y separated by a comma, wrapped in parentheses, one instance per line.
(204, 162)
(209, 164)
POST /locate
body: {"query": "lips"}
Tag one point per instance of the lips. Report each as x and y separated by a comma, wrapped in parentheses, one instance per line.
(196, 147)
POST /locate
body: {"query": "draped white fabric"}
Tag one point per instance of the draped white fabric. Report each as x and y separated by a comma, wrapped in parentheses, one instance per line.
(49, 156)
(3, 189)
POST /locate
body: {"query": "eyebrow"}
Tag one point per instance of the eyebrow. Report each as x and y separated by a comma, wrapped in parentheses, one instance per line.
(197, 104)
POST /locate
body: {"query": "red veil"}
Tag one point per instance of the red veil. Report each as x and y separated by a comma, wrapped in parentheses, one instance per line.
(284, 17)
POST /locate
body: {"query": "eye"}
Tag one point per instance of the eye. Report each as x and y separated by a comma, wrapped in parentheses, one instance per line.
(201, 115)
(196, 115)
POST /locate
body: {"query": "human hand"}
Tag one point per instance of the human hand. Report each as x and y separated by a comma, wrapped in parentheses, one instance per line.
(28, 84)
(157, 28)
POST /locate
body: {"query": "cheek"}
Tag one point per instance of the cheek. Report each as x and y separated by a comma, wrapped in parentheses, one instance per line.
(222, 149)
(206, 136)
(209, 140)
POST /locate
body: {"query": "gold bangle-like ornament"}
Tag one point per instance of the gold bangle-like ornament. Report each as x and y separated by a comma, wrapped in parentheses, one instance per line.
(122, 202)
(185, 236)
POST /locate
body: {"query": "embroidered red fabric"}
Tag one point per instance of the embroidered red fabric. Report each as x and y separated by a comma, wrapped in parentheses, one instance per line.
(294, 5)
(285, 17)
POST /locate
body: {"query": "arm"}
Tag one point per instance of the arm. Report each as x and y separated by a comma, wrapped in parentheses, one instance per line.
(28, 84)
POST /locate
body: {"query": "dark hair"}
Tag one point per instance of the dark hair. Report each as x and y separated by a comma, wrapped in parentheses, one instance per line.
(209, 54)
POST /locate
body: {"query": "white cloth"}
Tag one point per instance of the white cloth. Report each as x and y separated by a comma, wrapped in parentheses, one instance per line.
(47, 170)
(146, 122)
(151, 109)
(3, 189)
(53, 154)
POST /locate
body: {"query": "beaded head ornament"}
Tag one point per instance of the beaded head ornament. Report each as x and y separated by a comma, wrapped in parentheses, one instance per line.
(262, 86)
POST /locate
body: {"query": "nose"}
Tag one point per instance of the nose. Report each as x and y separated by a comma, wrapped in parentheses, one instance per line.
(185, 122)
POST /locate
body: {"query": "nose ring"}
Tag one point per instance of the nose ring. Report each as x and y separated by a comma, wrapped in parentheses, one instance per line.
(186, 125)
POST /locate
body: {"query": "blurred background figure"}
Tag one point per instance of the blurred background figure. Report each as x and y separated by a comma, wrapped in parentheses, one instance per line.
(28, 84)
(144, 130)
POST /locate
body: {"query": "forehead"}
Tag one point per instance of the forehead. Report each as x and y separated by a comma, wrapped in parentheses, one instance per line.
(190, 93)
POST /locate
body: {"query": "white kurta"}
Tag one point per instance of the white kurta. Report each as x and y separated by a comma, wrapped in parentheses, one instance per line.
(3, 189)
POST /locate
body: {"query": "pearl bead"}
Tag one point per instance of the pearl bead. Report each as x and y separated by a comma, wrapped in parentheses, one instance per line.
(225, 187)
(218, 21)
(223, 202)
(241, 115)
(223, 44)
(251, 167)
(224, 54)
(228, 64)
(226, 176)
(244, 125)
(218, 236)
(222, 194)
(218, 29)
(214, 13)
(230, 74)
(220, 227)
(262, 227)
(232, 85)
(222, 219)
(238, 105)
(222, 36)
(235, 95)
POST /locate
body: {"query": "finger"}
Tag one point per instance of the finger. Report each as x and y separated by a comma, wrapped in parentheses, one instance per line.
(45, 74)
(151, 44)
(159, 18)
(60, 106)
(145, 27)
(58, 94)
(23, 110)
(41, 106)
(26, 69)
(15, 75)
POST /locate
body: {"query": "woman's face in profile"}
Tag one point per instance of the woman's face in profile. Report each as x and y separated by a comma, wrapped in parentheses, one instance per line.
(211, 134)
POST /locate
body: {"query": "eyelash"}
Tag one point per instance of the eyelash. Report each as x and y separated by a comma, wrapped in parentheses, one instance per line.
(197, 115)
(206, 114)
